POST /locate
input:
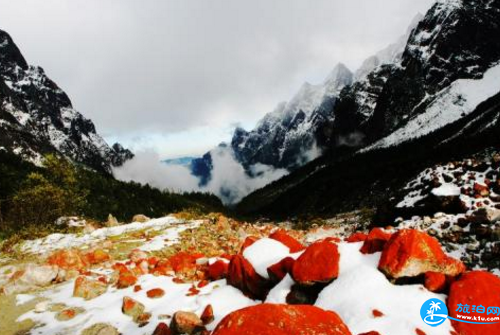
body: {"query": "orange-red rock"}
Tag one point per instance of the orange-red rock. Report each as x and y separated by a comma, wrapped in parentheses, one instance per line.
(475, 288)
(318, 263)
(282, 236)
(375, 241)
(279, 270)
(269, 319)
(370, 333)
(162, 329)
(155, 293)
(356, 237)
(97, 256)
(419, 332)
(68, 259)
(243, 276)
(208, 315)
(184, 261)
(435, 281)
(126, 279)
(410, 253)
(218, 270)
(377, 314)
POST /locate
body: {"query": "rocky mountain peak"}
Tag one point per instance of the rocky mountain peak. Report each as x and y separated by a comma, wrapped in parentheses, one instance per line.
(38, 117)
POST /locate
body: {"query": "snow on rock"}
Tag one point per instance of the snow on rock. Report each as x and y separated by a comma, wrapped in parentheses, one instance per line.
(446, 190)
(264, 253)
(449, 105)
(170, 224)
(361, 288)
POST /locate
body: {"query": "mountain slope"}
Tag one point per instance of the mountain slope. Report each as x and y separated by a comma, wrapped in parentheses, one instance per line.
(37, 117)
(441, 102)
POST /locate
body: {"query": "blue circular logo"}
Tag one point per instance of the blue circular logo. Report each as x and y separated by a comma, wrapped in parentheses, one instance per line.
(434, 312)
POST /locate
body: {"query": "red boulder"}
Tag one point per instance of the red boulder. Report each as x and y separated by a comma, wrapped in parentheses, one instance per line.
(243, 276)
(318, 263)
(410, 253)
(279, 270)
(375, 241)
(218, 270)
(282, 236)
(476, 288)
(356, 237)
(269, 319)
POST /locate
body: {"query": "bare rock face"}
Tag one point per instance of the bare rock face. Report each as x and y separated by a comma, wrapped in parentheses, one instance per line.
(39, 118)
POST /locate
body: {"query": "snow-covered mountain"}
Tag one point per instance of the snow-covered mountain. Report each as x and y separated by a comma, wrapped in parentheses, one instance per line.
(37, 117)
(286, 137)
(439, 100)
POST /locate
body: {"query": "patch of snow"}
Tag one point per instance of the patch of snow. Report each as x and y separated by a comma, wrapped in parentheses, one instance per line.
(264, 253)
(62, 241)
(21, 299)
(446, 190)
(278, 294)
(107, 307)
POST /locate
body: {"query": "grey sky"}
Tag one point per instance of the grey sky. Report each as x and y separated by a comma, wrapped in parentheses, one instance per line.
(177, 75)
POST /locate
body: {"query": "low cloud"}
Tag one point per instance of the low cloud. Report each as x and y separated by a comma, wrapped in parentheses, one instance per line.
(230, 182)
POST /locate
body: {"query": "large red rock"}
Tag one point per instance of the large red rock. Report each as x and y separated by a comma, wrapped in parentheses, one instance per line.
(69, 259)
(269, 319)
(243, 276)
(357, 237)
(218, 270)
(475, 288)
(435, 281)
(410, 253)
(375, 241)
(279, 270)
(318, 264)
(282, 236)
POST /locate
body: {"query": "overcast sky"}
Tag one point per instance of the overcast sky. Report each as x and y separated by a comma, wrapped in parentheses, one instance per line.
(178, 75)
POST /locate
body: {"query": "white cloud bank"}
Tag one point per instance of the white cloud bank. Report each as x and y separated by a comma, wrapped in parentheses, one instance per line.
(229, 180)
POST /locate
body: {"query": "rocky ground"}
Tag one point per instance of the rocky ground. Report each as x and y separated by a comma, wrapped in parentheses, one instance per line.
(217, 276)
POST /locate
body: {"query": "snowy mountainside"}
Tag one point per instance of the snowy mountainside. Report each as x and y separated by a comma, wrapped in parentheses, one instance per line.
(37, 117)
(283, 137)
(442, 101)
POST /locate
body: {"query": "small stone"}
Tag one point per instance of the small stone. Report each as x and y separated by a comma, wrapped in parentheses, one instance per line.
(132, 308)
(186, 323)
(69, 313)
(208, 315)
(42, 306)
(100, 329)
(140, 218)
(155, 293)
(112, 221)
(88, 289)
(162, 329)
